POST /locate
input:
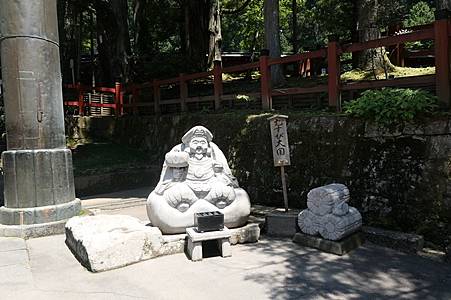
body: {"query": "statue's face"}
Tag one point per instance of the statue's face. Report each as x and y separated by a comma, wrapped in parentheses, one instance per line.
(178, 173)
(198, 145)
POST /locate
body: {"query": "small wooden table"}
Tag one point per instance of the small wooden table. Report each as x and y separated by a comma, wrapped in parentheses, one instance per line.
(195, 240)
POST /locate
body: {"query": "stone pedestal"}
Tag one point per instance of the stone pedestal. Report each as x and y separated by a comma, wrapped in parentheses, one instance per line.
(281, 223)
(39, 192)
(340, 247)
(195, 240)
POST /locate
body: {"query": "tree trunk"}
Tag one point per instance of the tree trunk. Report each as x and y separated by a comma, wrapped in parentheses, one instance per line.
(197, 17)
(272, 39)
(371, 59)
(294, 24)
(215, 49)
(113, 40)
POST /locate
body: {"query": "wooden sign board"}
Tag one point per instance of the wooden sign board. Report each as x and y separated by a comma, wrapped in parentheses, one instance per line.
(279, 140)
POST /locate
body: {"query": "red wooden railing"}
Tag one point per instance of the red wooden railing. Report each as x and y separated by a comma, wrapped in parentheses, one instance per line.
(439, 32)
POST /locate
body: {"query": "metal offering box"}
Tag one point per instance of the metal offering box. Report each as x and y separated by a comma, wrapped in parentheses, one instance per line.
(209, 221)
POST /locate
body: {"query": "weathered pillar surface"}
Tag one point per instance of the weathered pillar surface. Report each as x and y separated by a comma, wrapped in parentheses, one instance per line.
(39, 186)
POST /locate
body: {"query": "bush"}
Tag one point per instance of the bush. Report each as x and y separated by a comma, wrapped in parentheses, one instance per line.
(389, 106)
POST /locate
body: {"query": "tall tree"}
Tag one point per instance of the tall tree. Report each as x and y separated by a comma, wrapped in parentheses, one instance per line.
(294, 24)
(214, 28)
(368, 29)
(196, 35)
(272, 39)
(113, 39)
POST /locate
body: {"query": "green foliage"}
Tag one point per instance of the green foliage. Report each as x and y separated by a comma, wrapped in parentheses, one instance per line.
(420, 14)
(390, 106)
(240, 30)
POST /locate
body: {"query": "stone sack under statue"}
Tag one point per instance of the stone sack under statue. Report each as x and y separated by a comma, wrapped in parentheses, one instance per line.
(329, 214)
(196, 178)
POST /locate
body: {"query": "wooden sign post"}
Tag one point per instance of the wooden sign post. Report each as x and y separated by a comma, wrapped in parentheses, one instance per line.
(280, 149)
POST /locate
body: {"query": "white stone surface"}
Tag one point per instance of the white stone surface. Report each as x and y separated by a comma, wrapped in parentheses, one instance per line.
(329, 214)
(206, 184)
(195, 240)
(209, 235)
(107, 242)
(249, 233)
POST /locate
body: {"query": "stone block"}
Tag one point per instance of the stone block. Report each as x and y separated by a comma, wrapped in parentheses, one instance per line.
(340, 247)
(195, 240)
(226, 250)
(404, 242)
(107, 242)
(281, 223)
(249, 233)
(195, 250)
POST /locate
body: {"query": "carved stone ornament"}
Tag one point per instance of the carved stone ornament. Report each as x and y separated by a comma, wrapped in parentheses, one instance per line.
(329, 214)
(196, 178)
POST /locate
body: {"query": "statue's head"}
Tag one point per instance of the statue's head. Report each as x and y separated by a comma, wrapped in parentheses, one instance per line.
(197, 140)
(178, 162)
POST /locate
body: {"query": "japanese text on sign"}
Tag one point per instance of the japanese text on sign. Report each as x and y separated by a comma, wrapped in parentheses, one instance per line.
(279, 137)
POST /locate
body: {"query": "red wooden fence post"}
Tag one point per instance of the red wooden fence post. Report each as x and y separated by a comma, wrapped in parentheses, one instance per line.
(333, 70)
(441, 44)
(265, 80)
(183, 92)
(118, 99)
(156, 96)
(81, 108)
(217, 74)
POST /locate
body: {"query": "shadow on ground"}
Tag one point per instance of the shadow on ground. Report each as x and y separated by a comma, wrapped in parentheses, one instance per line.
(370, 272)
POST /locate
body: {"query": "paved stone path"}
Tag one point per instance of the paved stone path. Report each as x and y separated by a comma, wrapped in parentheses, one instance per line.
(44, 268)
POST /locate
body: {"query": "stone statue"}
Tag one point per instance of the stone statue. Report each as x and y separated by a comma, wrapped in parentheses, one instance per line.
(329, 214)
(196, 178)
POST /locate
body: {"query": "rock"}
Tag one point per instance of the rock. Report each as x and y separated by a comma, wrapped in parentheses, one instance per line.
(249, 233)
(448, 254)
(106, 242)
(404, 242)
(281, 223)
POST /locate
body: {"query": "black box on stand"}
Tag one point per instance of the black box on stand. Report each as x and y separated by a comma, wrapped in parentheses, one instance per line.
(209, 221)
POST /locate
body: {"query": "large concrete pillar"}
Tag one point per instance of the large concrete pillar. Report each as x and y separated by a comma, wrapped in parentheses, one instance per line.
(39, 183)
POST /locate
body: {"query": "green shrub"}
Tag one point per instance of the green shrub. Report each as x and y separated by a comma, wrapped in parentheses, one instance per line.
(389, 106)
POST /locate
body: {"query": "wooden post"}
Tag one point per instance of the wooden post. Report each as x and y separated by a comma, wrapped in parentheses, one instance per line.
(156, 96)
(183, 93)
(81, 106)
(265, 80)
(118, 99)
(217, 74)
(441, 42)
(333, 70)
(284, 187)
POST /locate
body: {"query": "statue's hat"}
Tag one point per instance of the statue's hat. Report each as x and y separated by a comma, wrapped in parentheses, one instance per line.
(197, 131)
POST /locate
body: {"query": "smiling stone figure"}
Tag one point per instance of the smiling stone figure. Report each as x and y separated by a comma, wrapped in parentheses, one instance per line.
(196, 178)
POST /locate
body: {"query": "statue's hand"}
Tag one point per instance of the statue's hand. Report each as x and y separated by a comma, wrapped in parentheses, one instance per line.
(180, 197)
(221, 195)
